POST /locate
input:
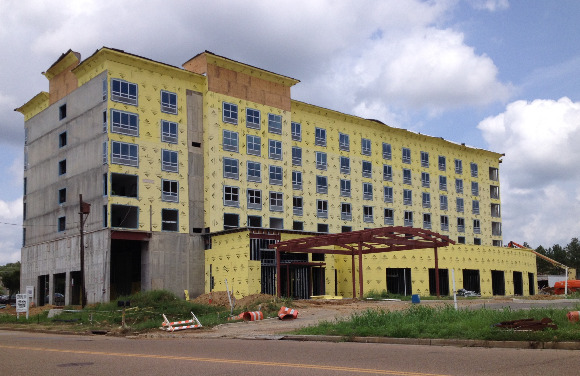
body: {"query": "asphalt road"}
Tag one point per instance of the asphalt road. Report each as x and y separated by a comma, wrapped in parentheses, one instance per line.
(24, 353)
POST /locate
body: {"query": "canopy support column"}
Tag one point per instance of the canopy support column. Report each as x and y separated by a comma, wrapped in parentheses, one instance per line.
(436, 273)
(353, 275)
(360, 271)
(278, 276)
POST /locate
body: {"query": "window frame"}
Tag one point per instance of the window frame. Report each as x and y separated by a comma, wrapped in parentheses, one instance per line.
(169, 136)
(426, 199)
(123, 93)
(274, 123)
(388, 194)
(442, 163)
(275, 175)
(231, 196)
(367, 191)
(321, 160)
(230, 164)
(387, 151)
(458, 166)
(275, 149)
(443, 202)
(407, 177)
(346, 215)
(229, 136)
(368, 214)
(276, 197)
(296, 156)
(425, 179)
(254, 198)
(164, 221)
(169, 195)
(366, 146)
(343, 141)
(296, 131)
(389, 216)
(387, 172)
(169, 106)
(424, 159)
(169, 165)
(120, 127)
(251, 142)
(345, 188)
(344, 165)
(252, 115)
(125, 159)
(321, 184)
(229, 113)
(322, 208)
(367, 169)
(406, 155)
(407, 197)
(297, 185)
(253, 177)
(319, 136)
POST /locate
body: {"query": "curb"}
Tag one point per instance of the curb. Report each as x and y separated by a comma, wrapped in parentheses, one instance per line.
(441, 342)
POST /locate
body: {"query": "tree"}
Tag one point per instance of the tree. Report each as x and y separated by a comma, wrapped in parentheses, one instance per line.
(10, 276)
(573, 253)
(544, 267)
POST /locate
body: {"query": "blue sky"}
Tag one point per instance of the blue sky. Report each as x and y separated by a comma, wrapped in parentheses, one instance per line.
(496, 74)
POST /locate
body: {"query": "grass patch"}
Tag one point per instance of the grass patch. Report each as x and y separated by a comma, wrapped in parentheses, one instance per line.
(445, 322)
(144, 313)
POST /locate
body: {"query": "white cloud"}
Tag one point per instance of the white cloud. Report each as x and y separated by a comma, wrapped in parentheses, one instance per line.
(540, 175)
(490, 5)
(10, 230)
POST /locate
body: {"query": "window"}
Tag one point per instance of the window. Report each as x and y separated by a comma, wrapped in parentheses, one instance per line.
(367, 191)
(124, 185)
(344, 142)
(297, 180)
(320, 160)
(275, 123)
(461, 240)
(406, 155)
(25, 186)
(493, 174)
(276, 175)
(496, 228)
(169, 219)
(105, 127)
(321, 184)
(252, 118)
(425, 179)
(474, 170)
(170, 190)
(230, 141)
(444, 223)
(169, 131)
(407, 197)
(230, 113)
(62, 195)
(125, 154)
(276, 201)
(368, 214)
(62, 167)
(495, 210)
(459, 205)
(345, 188)
(254, 171)
(62, 139)
(254, 221)
(367, 169)
(424, 159)
(442, 183)
(231, 196)
(105, 153)
(322, 208)
(253, 144)
(344, 165)
(124, 123)
(169, 160)
(320, 137)
(61, 226)
(461, 224)
(297, 204)
(477, 241)
(125, 216)
(105, 90)
(388, 194)
(168, 102)
(322, 227)
(296, 129)
(345, 211)
(426, 199)
(296, 156)
(443, 204)
(408, 218)
(297, 225)
(475, 206)
(275, 149)
(346, 229)
(231, 168)
(386, 150)
(475, 188)
(62, 112)
(459, 186)
(365, 146)
(494, 192)
(427, 221)
(123, 91)
(406, 176)
(387, 173)
(231, 221)
(254, 199)
(105, 215)
(389, 217)
(458, 166)
(442, 163)
(476, 226)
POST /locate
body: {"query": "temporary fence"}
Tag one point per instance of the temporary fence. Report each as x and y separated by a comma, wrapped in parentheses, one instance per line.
(180, 325)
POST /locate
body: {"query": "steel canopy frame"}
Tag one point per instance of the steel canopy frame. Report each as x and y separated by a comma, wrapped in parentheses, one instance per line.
(376, 240)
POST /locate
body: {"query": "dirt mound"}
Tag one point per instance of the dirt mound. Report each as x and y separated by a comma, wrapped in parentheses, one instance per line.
(220, 298)
(32, 311)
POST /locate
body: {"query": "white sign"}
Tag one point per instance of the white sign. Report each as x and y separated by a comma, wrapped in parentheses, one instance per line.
(21, 304)
(30, 293)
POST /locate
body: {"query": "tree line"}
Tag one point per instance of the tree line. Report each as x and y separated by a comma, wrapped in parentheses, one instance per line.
(568, 255)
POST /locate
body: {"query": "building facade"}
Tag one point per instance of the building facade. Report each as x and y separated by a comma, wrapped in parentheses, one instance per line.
(175, 162)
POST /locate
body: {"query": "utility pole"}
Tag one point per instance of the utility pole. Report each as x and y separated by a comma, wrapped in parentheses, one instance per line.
(84, 210)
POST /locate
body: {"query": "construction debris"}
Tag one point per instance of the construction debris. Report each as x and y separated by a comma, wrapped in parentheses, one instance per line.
(527, 324)
(286, 313)
(180, 325)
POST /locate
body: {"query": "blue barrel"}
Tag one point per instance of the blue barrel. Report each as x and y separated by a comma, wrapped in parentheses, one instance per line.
(415, 299)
